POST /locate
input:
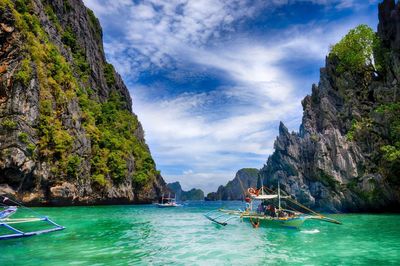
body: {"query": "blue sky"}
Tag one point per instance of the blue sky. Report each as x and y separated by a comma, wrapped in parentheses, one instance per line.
(211, 79)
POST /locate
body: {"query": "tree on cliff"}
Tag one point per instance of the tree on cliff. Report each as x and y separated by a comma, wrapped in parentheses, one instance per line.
(355, 52)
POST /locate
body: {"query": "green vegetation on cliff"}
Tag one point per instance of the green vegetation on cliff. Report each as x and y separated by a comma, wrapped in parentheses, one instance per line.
(355, 51)
(362, 51)
(391, 149)
(113, 131)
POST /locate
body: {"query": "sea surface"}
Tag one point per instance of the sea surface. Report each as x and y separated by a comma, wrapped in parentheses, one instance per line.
(146, 235)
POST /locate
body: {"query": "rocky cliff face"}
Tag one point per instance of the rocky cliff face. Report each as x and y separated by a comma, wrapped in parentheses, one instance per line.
(67, 131)
(236, 188)
(193, 194)
(339, 160)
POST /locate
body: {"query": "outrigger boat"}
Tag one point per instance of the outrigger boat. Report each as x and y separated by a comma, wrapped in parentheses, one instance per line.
(267, 214)
(11, 225)
(168, 202)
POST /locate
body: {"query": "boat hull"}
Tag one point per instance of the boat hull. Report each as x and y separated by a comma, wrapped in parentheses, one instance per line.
(167, 205)
(267, 222)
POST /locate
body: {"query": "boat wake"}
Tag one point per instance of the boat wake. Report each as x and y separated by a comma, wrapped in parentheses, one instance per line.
(314, 231)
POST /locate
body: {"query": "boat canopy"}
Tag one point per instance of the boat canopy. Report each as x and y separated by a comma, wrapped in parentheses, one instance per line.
(267, 197)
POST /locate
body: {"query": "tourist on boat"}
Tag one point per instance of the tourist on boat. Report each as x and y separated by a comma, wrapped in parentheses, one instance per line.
(260, 208)
(264, 208)
(271, 211)
(282, 214)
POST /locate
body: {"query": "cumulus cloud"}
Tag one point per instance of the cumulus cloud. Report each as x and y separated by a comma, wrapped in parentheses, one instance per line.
(201, 138)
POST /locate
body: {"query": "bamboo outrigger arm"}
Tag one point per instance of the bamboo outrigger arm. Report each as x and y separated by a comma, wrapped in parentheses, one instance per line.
(11, 224)
(18, 233)
(325, 219)
(220, 219)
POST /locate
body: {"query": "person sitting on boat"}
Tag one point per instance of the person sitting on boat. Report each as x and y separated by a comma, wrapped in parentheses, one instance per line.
(271, 210)
(260, 208)
(282, 214)
(266, 209)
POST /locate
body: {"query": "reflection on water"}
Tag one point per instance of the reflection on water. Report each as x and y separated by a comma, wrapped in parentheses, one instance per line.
(143, 235)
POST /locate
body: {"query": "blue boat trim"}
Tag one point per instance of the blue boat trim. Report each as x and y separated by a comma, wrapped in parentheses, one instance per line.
(8, 223)
(19, 234)
(220, 219)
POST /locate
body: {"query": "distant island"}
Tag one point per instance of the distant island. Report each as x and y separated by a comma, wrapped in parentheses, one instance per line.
(236, 188)
(181, 195)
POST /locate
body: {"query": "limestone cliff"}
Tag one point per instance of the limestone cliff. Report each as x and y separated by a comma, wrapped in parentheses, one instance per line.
(344, 157)
(236, 188)
(67, 131)
(182, 195)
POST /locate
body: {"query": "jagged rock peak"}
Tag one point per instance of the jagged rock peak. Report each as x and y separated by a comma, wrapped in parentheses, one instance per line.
(337, 161)
(283, 129)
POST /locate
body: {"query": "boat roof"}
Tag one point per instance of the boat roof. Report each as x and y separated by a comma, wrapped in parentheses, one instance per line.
(267, 197)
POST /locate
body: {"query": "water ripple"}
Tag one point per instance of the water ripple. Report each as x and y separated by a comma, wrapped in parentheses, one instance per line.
(145, 235)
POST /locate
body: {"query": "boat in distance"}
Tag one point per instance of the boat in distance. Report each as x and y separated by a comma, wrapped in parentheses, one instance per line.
(168, 202)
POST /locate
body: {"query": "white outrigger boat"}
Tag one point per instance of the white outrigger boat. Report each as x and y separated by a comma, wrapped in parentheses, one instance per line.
(168, 202)
(11, 228)
(266, 213)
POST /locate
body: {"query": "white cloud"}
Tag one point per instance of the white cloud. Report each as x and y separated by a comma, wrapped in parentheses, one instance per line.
(206, 146)
(203, 180)
(103, 8)
(153, 31)
(240, 136)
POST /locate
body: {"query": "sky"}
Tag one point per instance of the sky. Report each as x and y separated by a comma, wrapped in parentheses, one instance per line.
(211, 79)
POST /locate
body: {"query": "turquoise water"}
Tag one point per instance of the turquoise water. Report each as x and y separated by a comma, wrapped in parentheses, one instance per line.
(146, 235)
